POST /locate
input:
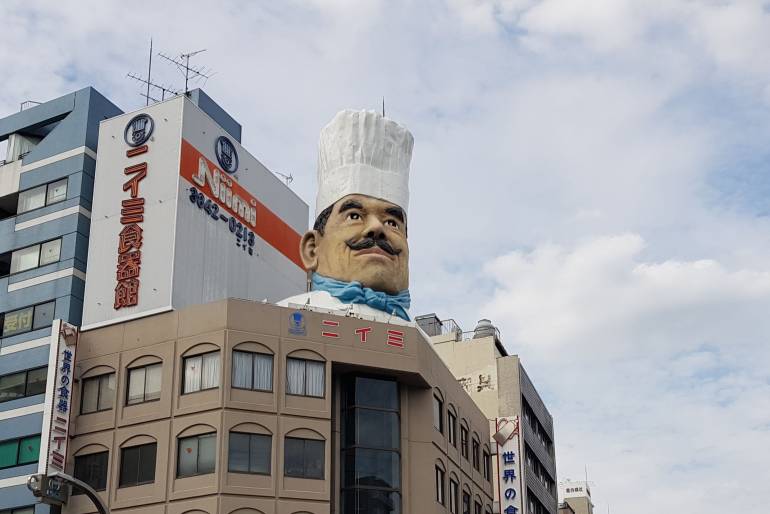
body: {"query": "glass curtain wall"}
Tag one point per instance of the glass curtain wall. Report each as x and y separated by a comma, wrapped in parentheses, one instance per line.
(371, 452)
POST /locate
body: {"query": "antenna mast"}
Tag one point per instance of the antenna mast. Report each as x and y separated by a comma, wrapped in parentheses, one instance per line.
(287, 178)
(149, 83)
(190, 72)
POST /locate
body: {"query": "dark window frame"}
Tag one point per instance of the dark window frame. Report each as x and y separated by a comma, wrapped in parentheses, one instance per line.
(121, 482)
(32, 326)
(475, 453)
(304, 465)
(39, 249)
(253, 360)
(144, 391)
(269, 457)
(98, 394)
(466, 502)
(26, 373)
(18, 441)
(96, 487)
(486, 463)
(184, 372)
(197, 457)
(305, 395)
(454, 496)
(451, 427)
(440, 488)
(464, 436)
(437, 401)
(46, 203)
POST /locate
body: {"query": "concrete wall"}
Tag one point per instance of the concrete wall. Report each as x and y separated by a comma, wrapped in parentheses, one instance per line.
(223, 326)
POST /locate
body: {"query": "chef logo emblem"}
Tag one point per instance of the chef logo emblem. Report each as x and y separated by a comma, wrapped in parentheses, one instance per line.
(138, 130)
(226, 155)
(297, 324)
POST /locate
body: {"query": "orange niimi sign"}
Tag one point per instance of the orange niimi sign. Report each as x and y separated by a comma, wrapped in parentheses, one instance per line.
(238, 202)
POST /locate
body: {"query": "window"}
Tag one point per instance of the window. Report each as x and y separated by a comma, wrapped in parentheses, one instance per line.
(370, 445)
(201, 372)
(252, 371)
(487, 466)
(137, 465)
(303, 458)
(452, 427)
(25, 383)
(475, 454)
(41, 196)
(464, 441)
(91, 469)
(144, 383)
(476, 508)
(249, 453)
(305, 377)
(98, 393)
(36, 255)
(438, 414)
(28, 318)
(466, 502)
(197, 455)
(440, 485)
(17, 452)
(454, 489)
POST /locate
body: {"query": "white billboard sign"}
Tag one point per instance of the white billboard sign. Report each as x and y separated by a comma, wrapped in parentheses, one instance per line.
(182, 214)
(507, 436)
(58, 398)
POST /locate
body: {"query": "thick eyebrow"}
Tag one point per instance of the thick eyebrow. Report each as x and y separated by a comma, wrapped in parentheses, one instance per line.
(396, 212)
(350, 204)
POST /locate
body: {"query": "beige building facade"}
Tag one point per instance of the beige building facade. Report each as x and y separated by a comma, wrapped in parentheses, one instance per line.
(240, 407)
(500, 386)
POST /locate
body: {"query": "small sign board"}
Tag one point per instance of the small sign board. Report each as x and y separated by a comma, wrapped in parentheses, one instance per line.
(58, 398)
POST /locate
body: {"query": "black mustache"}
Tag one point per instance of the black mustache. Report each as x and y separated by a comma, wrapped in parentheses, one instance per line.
(370, 242)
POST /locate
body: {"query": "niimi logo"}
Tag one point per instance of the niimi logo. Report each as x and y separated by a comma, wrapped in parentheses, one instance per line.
(226, 155)
(297, 324)
(138, 130)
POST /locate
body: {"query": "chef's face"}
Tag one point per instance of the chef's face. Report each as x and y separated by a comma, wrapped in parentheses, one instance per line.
(363, 239)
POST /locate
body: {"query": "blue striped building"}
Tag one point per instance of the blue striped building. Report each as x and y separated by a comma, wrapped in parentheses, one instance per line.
(46, 187)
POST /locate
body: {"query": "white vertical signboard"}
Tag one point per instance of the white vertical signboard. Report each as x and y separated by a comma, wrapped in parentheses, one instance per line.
(58, 398)
(507, 437)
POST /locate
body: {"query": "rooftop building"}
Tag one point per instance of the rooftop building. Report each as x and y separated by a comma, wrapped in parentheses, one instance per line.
(500, 386)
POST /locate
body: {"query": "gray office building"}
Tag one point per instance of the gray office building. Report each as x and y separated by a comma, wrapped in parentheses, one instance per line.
(46, 186)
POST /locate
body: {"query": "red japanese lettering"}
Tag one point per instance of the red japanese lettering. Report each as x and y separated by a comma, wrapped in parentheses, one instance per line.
(395, 338)
(362, 332)
(139, 171)
(132, 211)
(330, 323)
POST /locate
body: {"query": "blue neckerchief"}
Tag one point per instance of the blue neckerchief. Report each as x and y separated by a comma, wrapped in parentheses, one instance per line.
(354, 292)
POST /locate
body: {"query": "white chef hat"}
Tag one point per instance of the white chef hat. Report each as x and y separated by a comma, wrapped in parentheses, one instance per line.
(362, 152)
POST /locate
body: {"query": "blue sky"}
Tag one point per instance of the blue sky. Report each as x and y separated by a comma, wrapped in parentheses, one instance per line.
(592, 175)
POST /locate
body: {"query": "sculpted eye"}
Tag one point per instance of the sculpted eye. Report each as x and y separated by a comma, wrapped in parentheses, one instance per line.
(354, 216)
(392, 223)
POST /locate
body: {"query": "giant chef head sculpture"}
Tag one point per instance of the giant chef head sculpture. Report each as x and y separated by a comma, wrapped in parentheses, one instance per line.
(357, 250)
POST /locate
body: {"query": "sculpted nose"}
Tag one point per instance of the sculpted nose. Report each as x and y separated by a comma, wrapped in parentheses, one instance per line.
(374, 228)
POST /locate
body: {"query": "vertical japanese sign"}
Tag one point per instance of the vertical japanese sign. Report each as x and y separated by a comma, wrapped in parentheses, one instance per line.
(56, 417)
(129, 264)
(508, 464)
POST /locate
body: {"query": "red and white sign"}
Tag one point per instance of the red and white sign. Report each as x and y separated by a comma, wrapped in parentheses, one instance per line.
(58, 396)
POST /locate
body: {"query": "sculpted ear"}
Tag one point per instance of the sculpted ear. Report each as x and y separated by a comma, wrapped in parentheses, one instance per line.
(308, 249)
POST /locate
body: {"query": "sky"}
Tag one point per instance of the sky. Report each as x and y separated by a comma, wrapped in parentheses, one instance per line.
(591, 175)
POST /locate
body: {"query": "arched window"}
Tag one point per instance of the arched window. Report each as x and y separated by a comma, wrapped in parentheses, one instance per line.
(252, 367)
(305, 376)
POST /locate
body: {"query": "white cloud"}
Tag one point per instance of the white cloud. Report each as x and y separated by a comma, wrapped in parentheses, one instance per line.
(540, 127)
(655, 371)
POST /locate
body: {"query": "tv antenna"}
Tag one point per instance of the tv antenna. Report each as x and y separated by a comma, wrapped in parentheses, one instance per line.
(191, 73)
(287, 178)
(150, 84)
